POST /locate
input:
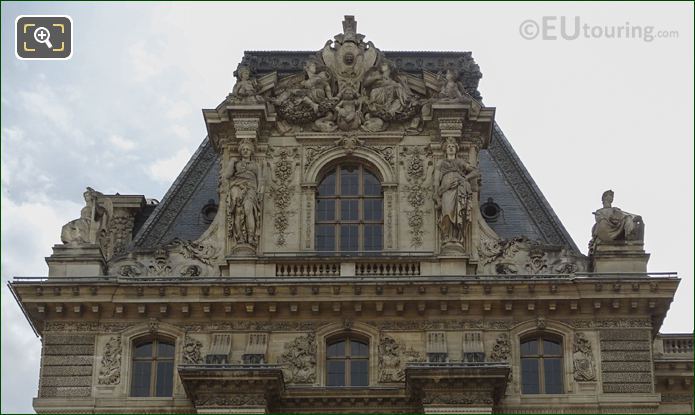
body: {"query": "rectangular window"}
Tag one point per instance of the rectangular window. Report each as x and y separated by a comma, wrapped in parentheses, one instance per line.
(359, 373)
(373, 237)
(165, 380)
(552, 371)
(336, 373)
(140, 385)
(529, 376)
(348, 209)
(349, 181)
(325, 238)
(349, 237)
(325, 210)
(373, 209)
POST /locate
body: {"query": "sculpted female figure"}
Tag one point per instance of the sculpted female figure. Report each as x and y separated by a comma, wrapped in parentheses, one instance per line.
(613, 224)
(453, 194)
(243, 199)
(387, 96)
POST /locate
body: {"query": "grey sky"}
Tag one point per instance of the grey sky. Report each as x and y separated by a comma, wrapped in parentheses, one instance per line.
(123, 115)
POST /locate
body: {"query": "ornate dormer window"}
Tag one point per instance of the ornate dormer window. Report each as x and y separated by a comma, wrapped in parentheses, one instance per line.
(349, 210)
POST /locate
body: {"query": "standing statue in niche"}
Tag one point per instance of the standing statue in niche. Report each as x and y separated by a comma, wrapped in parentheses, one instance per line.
(453, 195)
(613, 224)
(243, 197)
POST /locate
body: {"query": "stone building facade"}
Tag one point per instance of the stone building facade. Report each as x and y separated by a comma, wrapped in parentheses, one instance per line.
(355, 233)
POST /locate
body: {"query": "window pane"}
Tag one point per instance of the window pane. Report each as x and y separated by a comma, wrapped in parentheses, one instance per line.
(165, 350)
(325, 238)
(348, 209)
(327, 186)
(336, 373)
(140, 385)
(325, 209)
(372, 187)
(348, 237)
(551, 348)
(349, 180)
(373, 209)
(143, 350)
(552, 371)
(165, 378)
(336, 349)
(358, 349)
(529, 376)
(529, 348)
(373, 237)
(359, 373)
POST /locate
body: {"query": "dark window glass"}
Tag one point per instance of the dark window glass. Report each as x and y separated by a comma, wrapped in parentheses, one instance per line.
(336, 349)
(325, 238)
(141, 378)
(336, 373)
(143, 350)
(372, 187)
(327, 186)
(153, 369)
(552, 372)
(347, 362)
(349, 181)
(373, 237)
(541, 365)
(325, 209)
(373, 209)
(349, 209)
(349, 237)
(349, 201)
(359, 373)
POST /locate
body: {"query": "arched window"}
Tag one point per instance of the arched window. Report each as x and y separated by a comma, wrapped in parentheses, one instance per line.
(347, 362)
(349, 210)
(153, 368)
(541, 364)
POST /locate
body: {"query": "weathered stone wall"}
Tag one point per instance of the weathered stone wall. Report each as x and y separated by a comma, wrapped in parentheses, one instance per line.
(626, 361)
(67, 365)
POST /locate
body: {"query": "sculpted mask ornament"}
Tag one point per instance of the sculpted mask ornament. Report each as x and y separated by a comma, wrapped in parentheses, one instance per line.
(453, 195)
(242, 178)
(613, 224)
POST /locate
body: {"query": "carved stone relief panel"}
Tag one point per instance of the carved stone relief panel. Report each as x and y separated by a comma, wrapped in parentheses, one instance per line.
(283, 192)
(393, 356)
(416, 168)
(583, 359)
(110, 369)
(299, 360)
(179, 258)
(523, 256)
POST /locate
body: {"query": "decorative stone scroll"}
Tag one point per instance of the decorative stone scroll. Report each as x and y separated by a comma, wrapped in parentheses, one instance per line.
(110, 371)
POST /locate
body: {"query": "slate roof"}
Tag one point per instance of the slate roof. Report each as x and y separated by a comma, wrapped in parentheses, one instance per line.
(525, 211)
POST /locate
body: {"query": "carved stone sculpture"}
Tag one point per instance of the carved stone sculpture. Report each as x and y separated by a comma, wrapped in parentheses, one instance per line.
(613, 224)
(192, 351)
(110, 371)
(390, 98)
(392, 359)
(501, 349)
(453, 196)
(91, 226)
(452, 90)
(299, 360)
(242, 178)
(245, 90)
(583, 359)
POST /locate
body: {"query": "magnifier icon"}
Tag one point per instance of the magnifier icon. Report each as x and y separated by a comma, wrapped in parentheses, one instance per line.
(42, 35)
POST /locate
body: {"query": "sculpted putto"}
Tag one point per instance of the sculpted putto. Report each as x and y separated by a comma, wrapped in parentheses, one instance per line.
(453, 194)
(613, 224)
(242, 177)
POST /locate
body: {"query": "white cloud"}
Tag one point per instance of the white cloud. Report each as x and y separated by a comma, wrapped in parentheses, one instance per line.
(121, 143)
(166, 170)
(145, 64)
